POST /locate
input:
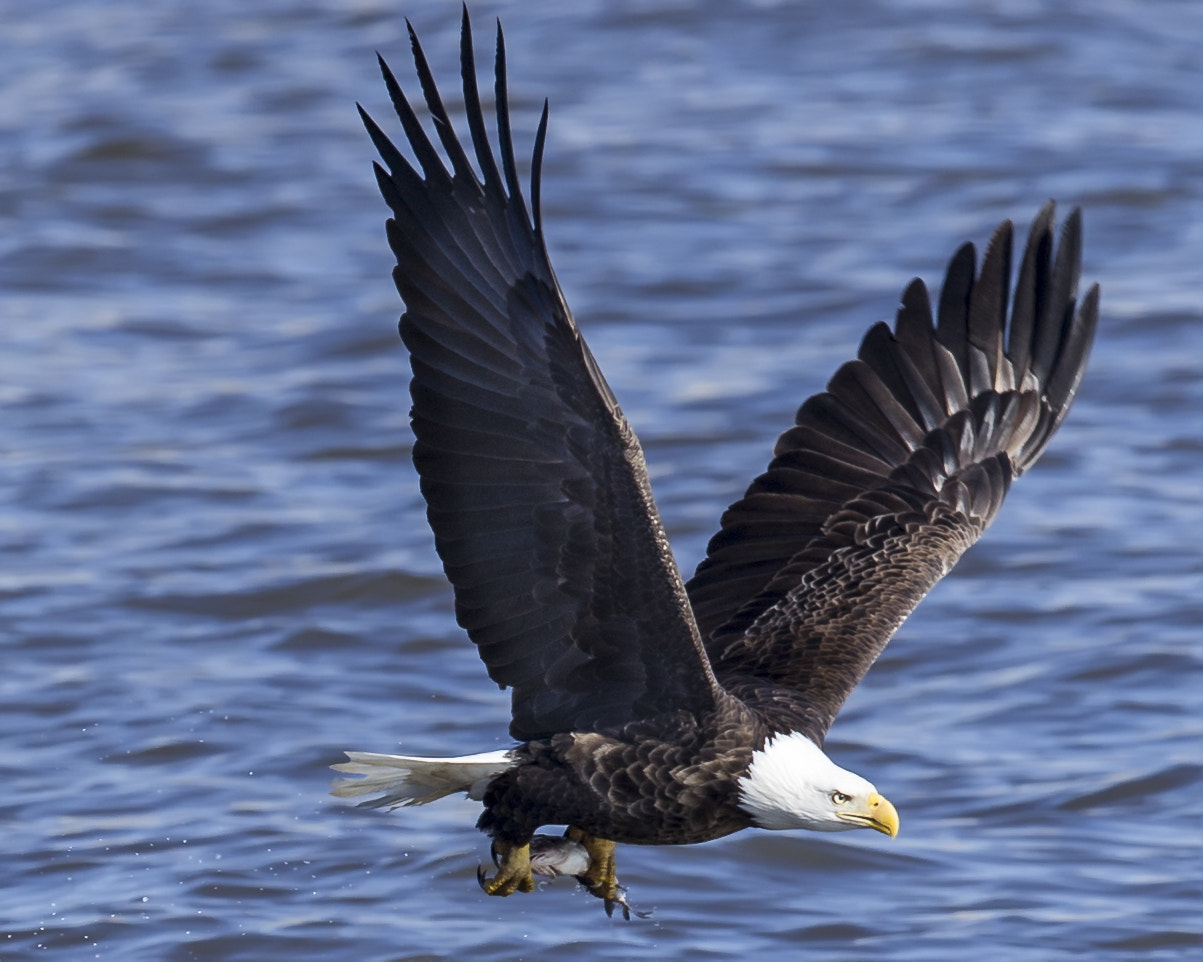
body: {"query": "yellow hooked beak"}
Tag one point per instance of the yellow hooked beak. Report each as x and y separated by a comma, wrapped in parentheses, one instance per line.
(878, 814)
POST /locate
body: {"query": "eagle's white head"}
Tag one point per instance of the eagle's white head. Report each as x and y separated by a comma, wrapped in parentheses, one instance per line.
(792, 784)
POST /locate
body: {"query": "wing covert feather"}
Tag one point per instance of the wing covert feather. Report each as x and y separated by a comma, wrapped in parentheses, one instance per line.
(535, 484)
(894, 471)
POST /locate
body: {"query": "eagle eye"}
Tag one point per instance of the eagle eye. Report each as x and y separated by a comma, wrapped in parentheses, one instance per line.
(840, 798)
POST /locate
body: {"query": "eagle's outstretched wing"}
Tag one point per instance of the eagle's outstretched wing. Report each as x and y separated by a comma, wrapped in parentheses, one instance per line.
(535, 484)
(895, 470)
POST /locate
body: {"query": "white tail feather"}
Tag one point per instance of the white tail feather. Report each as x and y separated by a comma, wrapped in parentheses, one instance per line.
(410, 780)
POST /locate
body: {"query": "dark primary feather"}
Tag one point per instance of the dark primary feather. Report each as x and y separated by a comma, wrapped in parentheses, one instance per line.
(894, 471)
(535, 485)
(538, 495)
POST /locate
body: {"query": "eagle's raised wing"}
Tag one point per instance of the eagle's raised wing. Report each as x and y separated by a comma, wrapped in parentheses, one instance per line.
(535, 484)
(895, 470)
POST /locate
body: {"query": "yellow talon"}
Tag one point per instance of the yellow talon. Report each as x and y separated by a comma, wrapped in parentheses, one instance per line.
(513, 870)
(600, 878)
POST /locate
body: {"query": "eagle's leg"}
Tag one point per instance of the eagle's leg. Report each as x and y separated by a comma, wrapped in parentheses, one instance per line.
(600, 877)
(513, 869)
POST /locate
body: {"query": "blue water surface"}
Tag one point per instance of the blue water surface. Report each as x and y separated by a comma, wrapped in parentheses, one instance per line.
(215, 572)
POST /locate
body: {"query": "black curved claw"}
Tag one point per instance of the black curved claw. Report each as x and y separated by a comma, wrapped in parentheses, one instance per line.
(611, 902)
(620, 900)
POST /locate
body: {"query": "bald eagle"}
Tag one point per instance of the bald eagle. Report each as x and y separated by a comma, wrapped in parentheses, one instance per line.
(646, 709)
